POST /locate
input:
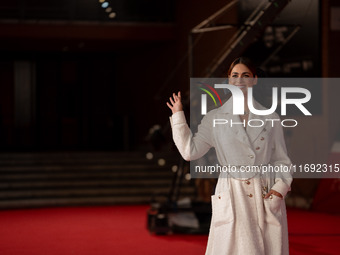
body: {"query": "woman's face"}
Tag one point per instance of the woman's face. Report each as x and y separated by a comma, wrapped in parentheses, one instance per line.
(242, 77)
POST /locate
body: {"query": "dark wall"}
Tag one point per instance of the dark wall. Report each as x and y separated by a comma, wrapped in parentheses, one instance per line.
(75, 102)
(72, 101)
(333, 50)
(95, 89)
(89, 10)
(6, 103)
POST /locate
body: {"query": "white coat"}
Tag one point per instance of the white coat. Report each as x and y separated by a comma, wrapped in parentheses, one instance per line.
(242, 221)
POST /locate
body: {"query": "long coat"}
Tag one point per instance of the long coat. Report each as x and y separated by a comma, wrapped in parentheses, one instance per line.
(243, 222)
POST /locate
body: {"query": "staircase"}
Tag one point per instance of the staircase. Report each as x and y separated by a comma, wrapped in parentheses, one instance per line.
(247, 33)
(30, 180)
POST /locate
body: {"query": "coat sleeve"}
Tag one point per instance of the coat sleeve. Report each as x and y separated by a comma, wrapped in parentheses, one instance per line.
(283, 178)
(191, 146)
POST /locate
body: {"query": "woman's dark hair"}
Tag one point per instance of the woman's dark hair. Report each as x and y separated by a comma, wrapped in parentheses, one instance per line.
(261, 93)
(245, 61)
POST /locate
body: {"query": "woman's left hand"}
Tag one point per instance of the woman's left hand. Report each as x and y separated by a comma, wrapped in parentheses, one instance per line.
(273, 192)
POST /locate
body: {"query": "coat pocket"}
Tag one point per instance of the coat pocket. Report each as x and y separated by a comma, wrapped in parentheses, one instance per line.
(272, 207)
(222, 209)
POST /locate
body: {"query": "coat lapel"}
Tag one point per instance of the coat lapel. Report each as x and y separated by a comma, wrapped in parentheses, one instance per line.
(246, 135)
(258, 125)
(237, 128)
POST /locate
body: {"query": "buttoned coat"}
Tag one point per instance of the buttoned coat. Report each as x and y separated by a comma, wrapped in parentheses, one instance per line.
(261, 144)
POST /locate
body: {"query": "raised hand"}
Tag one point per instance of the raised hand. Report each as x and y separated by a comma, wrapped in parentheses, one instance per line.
(175, 103)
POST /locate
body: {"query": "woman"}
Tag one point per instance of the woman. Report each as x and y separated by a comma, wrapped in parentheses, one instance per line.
(249, 214)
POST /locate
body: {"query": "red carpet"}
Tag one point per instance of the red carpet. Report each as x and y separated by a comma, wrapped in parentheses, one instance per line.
(97, 230)
(122, 230)
(313, 233)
